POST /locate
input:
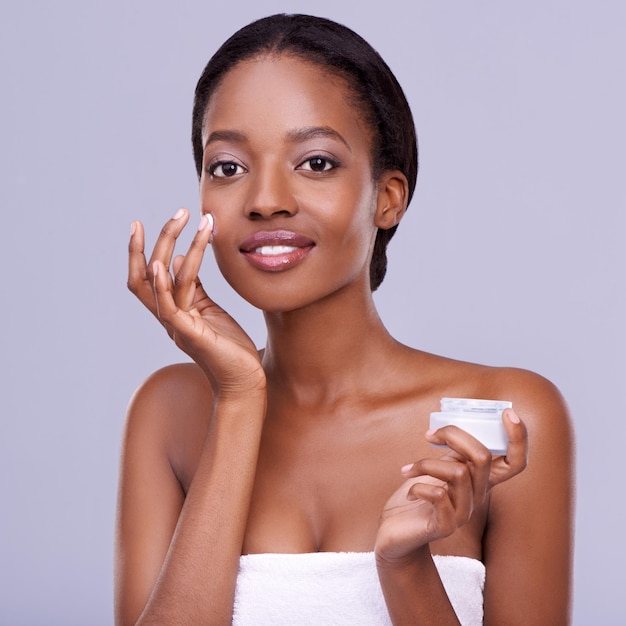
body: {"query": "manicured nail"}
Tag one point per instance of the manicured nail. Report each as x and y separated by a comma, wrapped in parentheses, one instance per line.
(206, 220)
(155, 270)
(430, 432)
(406, 468)
(133, 228)
(513, 416)
(179, 214)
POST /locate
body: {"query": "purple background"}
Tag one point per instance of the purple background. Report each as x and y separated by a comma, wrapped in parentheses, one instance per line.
(512, 252)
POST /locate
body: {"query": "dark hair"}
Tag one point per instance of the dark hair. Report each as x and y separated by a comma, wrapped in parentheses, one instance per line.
(340, 50)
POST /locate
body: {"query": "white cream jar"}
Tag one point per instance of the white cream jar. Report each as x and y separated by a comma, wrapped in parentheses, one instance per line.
(480, 418)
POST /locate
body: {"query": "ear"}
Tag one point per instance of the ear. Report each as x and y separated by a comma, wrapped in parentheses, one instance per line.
(393, 192)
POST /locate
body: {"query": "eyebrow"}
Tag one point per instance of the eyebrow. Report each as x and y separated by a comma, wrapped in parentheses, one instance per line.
(226, 135)
(310, 132)
(296, 135)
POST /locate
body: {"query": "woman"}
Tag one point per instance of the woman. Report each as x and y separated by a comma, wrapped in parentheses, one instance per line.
(309, 458)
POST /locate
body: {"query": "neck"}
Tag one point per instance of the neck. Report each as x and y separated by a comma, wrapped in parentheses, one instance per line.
(324, 351)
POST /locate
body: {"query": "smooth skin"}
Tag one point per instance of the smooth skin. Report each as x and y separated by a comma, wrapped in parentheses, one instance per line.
(321, 441)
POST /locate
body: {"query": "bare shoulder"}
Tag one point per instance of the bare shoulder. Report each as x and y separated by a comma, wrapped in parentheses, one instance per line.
(549, 474)
(169, 413)
(538, 402)
(536, 399)
(171, 385)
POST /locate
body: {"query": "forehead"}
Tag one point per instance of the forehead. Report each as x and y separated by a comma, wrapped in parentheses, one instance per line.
(283, 91)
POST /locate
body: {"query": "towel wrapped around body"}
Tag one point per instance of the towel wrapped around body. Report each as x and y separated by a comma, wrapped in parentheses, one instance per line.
(339, 588)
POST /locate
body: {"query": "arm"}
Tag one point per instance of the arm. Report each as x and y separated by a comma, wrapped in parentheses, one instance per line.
(177, 555)
(528, 540)
(414, 593)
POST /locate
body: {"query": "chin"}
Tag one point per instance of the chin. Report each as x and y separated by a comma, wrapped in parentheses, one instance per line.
(272, 298)
(289, 294)
(296, 288)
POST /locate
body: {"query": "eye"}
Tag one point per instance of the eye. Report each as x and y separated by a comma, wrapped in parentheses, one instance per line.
(225, 169)
(318, 164)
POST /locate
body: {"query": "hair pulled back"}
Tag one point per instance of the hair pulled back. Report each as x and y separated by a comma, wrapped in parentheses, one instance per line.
(341, 51)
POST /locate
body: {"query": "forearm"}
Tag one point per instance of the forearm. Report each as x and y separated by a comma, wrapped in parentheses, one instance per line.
(414, 593)
(197, 580)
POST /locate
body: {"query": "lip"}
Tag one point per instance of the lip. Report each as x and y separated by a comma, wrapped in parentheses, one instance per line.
(290, 249)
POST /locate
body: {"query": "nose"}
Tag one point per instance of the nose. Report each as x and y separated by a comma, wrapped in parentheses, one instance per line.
(270, 193)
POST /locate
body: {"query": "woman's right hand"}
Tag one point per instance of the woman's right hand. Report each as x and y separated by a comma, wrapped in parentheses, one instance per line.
(197, 325)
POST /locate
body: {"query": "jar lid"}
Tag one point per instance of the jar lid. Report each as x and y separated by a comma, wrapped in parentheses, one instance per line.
(474, 405)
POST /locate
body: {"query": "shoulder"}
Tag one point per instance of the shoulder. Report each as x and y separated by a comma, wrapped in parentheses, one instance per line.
(523, 385)
(171, 387)
(537, 401)
(548, 480)
(168, 415)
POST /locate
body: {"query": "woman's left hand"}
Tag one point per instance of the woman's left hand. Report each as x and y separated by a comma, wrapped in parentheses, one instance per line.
(439, 495)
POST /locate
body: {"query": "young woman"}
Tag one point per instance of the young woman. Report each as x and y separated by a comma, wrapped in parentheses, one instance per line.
(299, 484)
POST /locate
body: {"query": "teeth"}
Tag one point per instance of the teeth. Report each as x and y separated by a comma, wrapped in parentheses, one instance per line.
(274, 250)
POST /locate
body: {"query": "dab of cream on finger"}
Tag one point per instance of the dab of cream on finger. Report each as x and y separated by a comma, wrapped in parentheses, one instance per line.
(207, 220)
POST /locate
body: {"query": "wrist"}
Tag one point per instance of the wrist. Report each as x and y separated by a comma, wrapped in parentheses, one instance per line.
(251, 387)
(248, 402)
(388, 561)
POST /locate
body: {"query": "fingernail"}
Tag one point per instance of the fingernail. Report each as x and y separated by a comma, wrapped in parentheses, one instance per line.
(179, 214)
(155, 270)
(133, 228)
(513, 416)
(430, 432)
(406, 468)
(206, 220)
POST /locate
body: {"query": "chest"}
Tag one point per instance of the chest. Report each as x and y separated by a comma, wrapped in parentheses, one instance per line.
(319, 499)
(323, 487)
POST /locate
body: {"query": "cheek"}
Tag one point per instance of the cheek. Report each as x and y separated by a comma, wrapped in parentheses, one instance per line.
(224, 239)
(350, 216)
(352, 196)
(230, 265)
(224, 209)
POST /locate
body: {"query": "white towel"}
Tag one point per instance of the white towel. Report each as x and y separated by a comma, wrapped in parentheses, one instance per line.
(339, 588)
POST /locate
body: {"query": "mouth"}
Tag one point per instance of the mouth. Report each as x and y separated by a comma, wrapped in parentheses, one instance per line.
(276, 250)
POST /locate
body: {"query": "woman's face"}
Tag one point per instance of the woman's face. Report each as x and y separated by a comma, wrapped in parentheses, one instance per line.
(287, 177)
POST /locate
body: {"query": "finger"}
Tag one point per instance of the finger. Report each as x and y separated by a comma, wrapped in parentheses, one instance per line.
(162, 293)
(186, 270)
(182, 326)
(516, 458)
(138, 281)
(199, 296)
(164, 246)
(177, 261)
(136, 257)
(444, 519)
(465, 447)
(457, 477)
